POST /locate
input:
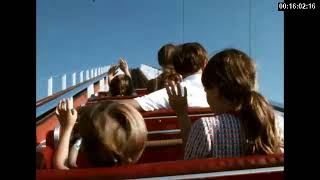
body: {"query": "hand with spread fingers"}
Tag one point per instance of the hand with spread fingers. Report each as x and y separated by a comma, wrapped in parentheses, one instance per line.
(123, 65)
(177, 101)
(112, 72)
(67, 116)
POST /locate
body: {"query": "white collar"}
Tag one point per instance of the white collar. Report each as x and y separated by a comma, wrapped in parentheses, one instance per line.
(193, 77)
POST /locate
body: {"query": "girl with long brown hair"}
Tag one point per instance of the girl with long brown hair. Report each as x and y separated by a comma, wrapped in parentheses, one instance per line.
(244, 122)
(165, 54)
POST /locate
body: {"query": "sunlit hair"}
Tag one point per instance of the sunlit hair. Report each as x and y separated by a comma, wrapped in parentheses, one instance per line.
(189, 58)
(112, 134)
(164, 55)
(234, 74)
(121, 85)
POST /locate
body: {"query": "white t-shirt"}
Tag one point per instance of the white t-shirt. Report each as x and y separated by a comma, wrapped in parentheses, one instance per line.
(159, 99)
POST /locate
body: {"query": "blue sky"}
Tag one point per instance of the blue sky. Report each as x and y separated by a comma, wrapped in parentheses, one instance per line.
(75, 35)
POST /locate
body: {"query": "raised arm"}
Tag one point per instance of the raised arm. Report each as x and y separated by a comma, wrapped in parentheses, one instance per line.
(124, 67)
(111, 73)
(73, 154)
(67, 118)
(179, 103)
(131, 102)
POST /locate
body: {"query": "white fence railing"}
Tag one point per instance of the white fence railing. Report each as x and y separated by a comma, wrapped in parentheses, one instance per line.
(89, 74)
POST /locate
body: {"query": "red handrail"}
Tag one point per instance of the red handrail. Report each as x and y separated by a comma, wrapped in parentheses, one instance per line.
(60, 93)
(171, 168)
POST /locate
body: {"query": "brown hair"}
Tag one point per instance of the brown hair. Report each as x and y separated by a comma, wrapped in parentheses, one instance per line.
(189, 58)
(159, 82)
(165, 77)
(112, 133)
(234, 74)
(121, 85)
(164, 55)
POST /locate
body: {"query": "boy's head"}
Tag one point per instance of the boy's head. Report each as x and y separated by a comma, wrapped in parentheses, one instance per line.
(189, 58)
(165, 54)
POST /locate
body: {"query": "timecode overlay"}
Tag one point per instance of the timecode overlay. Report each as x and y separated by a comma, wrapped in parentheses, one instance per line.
(284, 6)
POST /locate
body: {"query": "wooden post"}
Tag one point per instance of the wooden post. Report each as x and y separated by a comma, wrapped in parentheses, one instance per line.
(95, 72)
(64, 82)
(101, 84)
(71, 105)
(91, 73)
(90, 90)
(106, 86)
(50, 86)
(87, 75)
(81, 76)
(73, 79)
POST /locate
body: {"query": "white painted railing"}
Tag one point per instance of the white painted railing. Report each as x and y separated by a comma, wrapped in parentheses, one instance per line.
(89, 74)
(98, 76)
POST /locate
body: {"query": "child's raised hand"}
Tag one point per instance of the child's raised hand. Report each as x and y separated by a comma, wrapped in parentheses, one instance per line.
(66, 114)
(177, 100)
(113, 70)
(123, 65)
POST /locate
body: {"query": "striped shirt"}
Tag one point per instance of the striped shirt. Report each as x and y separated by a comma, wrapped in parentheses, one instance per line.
(219, 136)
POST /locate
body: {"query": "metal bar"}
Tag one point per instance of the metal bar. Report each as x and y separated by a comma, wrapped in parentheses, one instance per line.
(164, 142)
(174, 116)
(171, 131)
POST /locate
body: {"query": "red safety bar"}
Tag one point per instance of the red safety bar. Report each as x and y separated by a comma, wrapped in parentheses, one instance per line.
(155, 121)
(96, 99)
(103, 93)
(141, 91)
(170, 112)
(166, 119)
(250, 167)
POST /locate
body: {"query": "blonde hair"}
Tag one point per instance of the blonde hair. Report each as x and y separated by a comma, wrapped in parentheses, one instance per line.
(234, 74)
(112, 134)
